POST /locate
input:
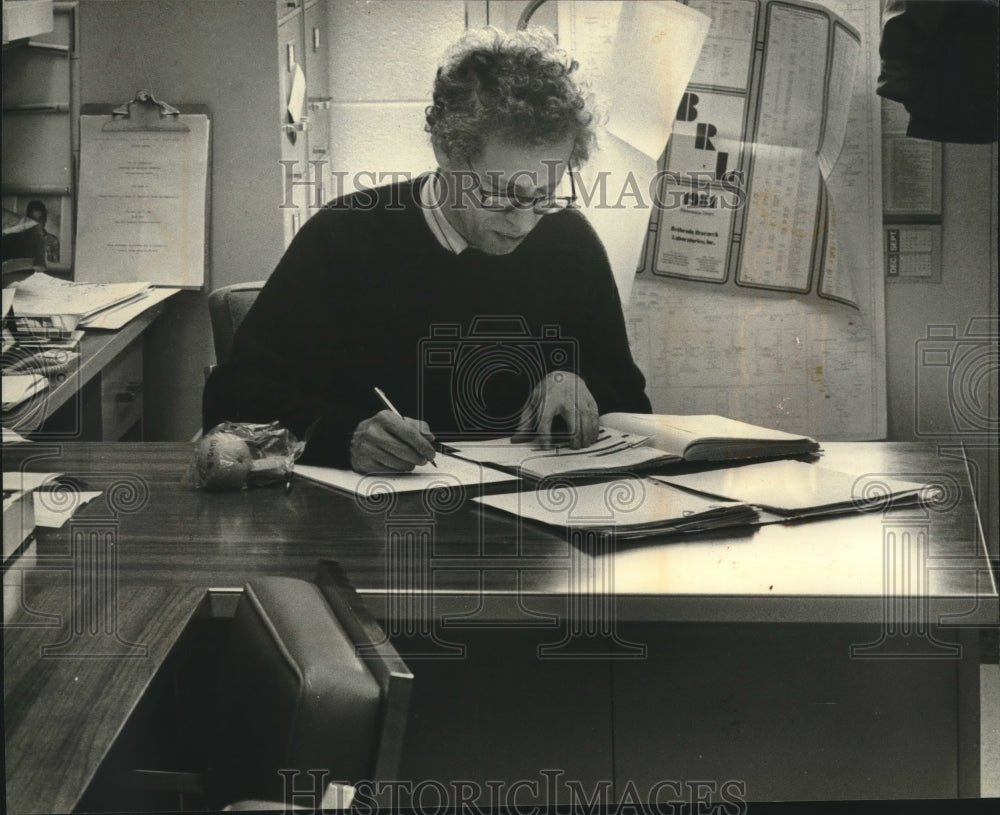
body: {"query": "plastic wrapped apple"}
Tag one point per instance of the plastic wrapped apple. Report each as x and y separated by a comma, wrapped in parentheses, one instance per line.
(234, 455)
(223, 461)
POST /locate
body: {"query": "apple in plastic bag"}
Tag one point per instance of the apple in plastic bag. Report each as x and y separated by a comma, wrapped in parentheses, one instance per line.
(223, 461)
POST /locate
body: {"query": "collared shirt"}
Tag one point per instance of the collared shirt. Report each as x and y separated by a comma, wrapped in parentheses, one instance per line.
(440, 226)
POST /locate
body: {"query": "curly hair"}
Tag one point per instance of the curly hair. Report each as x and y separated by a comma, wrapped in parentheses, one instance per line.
(517, 86)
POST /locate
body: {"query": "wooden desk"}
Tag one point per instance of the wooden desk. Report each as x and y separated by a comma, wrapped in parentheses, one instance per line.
(784, 658)
(101, 399)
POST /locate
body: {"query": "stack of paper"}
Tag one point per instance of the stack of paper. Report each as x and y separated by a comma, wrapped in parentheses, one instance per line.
(795, 489)
(19, 388)
(44, 297)
(630, 507)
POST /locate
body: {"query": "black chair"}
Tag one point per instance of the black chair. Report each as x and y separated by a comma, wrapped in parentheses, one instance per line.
(304, 697)
(227, 306)
(310, 685)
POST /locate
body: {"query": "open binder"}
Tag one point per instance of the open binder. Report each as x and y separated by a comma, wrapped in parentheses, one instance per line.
(144, 194)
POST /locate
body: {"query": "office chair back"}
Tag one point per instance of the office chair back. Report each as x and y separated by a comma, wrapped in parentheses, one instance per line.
(227, 306)
(310, 684)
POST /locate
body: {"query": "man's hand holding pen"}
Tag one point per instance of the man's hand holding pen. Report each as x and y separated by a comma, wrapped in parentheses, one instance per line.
(391, 443)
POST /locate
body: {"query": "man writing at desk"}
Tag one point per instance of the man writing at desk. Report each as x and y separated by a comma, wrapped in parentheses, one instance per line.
(475, 297)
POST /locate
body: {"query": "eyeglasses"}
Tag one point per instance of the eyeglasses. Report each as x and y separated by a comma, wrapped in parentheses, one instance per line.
(511, 199)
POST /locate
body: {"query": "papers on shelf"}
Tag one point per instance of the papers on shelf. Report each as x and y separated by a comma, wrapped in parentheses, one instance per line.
(49, 306)
(796, 489)
(42, 295)
(118, 316)
(450, 472)
(632, 507)
(19, 388)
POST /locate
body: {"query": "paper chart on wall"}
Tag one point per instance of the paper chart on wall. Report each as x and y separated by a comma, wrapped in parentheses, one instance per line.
(802, 363)
(744, 185)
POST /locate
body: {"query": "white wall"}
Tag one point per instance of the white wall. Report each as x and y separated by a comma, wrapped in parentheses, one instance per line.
(382, 64)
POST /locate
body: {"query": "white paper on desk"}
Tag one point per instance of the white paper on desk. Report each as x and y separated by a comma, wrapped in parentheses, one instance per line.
(54, 507)
(450, 472)
(26, 482)
(142, 201)
(117, 317)
(633, 507)
(797, 488)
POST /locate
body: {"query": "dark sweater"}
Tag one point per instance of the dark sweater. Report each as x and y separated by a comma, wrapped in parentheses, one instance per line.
(365, 296)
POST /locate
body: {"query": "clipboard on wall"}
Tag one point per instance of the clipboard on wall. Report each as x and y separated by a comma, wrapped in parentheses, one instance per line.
(144, 193)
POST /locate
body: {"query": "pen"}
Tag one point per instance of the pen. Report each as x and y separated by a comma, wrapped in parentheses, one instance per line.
(385, 401)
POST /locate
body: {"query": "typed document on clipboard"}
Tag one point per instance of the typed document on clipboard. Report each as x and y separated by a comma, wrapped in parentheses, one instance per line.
(142, 204)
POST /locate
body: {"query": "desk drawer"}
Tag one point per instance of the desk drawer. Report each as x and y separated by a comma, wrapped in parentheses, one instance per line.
(121, 393)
